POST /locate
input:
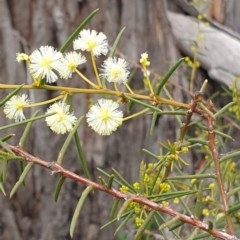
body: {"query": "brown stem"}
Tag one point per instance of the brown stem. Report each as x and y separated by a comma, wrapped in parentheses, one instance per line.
(215, 156)
(56, 168)
(185, 126)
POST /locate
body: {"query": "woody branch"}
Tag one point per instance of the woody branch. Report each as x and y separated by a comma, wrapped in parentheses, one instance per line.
(56, 168)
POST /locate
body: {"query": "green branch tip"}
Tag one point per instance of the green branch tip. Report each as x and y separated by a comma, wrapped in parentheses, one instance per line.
(168, 75)
(78, 29)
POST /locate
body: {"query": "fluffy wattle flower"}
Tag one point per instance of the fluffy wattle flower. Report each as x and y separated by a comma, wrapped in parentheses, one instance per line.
(70, 63)
(144, 60)
(104, 117)
(22, 57)
(62, 120)
(13, 108)
(115, 70)
(91, 41)
(44, 62)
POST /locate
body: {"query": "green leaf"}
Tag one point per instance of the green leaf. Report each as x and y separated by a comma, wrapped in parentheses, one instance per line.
(199, 201)
(233, 208)
(68, 141)
(222, 110)
(58, 187)
(168, 75)
(202, 236)
(25, 121)
(167, 196)
(2, 189)
(130, 106)
(82, 159)
(123, 208)
(115, 220)
(6, 156)
(116, 42)
(202, 106)
(109, 223)
(123, 181)
(153, 123)
(210, 225)
(144, 104)
(124, 222)
(21, 179)
(157, 216)
(179, 224)
(14, 92)
(169, 223)
(197, 176)
(7, 137)
(4, 170)
(5, 146)
(76, 32)
(224, 135)
(26, 131)
(169, 95)
(114, 208)
(156, 157)
(105, 173)
(113, 49)
(77, 211)
(198, 140)
(21, 168)
(156, 177)
(233, 191)
(230, 156)
(157, 110)
(144, 226)
(110, 181)
(103, 182)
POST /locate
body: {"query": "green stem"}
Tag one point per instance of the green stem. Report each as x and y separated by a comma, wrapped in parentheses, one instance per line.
(78, 209)
(222, 110)
(98, 91)
(86, 79)
(46, 102)
(136, 114)
(115, 87)
(204, 86)
(129, 89)
(95, 70)
(148, 80)
(82, 159)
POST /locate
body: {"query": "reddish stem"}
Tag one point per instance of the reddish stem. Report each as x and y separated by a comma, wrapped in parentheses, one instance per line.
(215, 156)
(56, 168)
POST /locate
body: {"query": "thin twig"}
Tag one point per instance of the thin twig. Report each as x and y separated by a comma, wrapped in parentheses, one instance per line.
(56, 168)
(215, 156)
(159, 100)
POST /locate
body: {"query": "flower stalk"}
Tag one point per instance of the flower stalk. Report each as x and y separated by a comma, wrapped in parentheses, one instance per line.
(96, 71)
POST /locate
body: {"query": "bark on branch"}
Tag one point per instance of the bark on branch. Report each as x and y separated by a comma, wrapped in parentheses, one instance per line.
(58, 169)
